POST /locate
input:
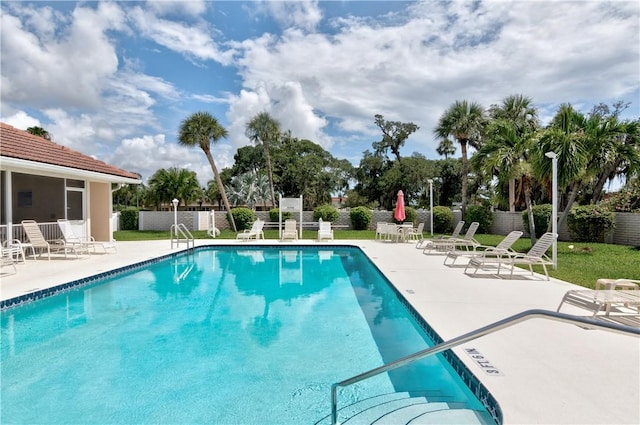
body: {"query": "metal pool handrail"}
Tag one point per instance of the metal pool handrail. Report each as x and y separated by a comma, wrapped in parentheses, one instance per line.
(491, 328)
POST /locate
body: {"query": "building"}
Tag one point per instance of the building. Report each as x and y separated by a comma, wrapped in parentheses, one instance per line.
(44, 181)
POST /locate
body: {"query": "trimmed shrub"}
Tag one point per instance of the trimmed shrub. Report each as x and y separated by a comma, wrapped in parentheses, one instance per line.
(360, 218)
(541, 218)
(274, 215)
(411, 215)
(244, 218)
(590, 223)
(482, 215)
(326, 213)
(129, 218)
(442, 219)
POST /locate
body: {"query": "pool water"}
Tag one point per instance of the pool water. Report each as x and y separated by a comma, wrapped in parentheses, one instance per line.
(221, 336)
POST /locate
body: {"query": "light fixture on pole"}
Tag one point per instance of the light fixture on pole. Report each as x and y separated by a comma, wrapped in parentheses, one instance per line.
(554, 206)
(431, 204)
(175, 203)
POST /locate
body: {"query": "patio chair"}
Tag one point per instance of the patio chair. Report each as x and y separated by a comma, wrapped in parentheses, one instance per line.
(15, 249)
(450, 244)
(381, 230)
(456, 234)
(254, 233)
(503, 248)
(535, 256)
(324, 230)
(38, 242)
(7, 259)
(415, 233)
(393, 233)
(609, 302)
(73, 234)
(290, 231)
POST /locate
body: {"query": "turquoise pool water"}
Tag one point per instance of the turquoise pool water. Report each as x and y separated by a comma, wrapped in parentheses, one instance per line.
(220, 336)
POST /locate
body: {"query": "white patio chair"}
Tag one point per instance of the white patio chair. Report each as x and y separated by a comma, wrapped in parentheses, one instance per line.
(254, 233)
(454, 235)
(503, 248)
(290, 231)
(324, 230)
(73, 233)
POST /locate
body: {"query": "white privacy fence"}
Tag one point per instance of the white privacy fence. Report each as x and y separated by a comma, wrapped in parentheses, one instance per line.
(627, 231)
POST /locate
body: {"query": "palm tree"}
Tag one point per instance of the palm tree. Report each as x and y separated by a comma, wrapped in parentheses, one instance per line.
(264, 130)
(200, 129)
(181, 184)
(505, 153)
(465, 122)
(518, 110)
(446, 148)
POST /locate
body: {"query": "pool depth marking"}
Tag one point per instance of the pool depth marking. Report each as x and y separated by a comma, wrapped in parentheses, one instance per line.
(483, 362)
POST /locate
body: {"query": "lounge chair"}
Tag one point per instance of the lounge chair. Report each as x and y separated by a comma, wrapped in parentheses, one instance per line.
(617, 284)
(415, 233)
(450, 244)
(608, 301)
(324, 230)
(254, 233)
(456, 234)
(535, 256)
(73, 233)
(290, 231)
(38, 242)
(503, 248)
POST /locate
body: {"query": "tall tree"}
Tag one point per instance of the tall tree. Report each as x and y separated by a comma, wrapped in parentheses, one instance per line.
(465, 122)
(265, 130)
(201, 129)
(446, 148)
(394, 135)
(39, 131)
(519, 112)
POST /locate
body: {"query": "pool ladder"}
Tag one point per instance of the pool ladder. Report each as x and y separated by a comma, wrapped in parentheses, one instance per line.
(180, 233)
(586, 323)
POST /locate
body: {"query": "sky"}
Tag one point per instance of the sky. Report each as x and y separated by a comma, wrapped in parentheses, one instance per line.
(114, 80)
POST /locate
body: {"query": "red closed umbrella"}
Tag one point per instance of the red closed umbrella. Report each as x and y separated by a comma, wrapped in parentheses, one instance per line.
(399, 214)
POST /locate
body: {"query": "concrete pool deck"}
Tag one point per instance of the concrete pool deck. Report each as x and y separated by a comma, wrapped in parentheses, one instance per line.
(551, 373)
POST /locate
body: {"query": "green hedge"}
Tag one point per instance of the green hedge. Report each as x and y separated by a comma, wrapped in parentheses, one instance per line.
(129, 218)
(326, 213)
(482, 215)
(590, 223)
(361, 218)
(442, 219)
(244, 218)
(274, 215)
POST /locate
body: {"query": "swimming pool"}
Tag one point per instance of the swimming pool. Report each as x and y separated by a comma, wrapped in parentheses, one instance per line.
(223, 335)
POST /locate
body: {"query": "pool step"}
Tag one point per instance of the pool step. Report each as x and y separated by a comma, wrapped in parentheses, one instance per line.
(403, 408)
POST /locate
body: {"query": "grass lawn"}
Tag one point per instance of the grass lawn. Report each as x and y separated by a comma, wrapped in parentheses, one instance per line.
(583, 264)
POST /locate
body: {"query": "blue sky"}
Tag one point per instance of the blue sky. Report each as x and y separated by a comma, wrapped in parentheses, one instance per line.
(115, 79)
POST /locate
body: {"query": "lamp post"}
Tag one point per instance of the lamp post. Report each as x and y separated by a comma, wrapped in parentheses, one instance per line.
(175, 203)
(554, 205)
(431, 204)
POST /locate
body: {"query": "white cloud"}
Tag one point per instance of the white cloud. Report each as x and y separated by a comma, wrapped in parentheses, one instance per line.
(189, 39)
(304, 14)
(188, 8)
(413, 69)
(21, 120)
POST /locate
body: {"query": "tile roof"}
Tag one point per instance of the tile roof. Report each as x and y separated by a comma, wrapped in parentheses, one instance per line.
(19, 144)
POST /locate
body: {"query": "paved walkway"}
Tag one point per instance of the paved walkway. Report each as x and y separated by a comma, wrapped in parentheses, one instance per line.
(551, 373)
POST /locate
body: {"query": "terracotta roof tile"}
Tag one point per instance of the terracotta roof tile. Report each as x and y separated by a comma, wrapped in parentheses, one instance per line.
(19, 144)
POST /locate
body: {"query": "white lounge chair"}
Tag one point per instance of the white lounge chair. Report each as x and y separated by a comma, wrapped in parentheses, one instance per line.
(503, 248)
(254, 233)
(450, 244)
(324, 230)
(73, 233)
(608, 301)
(290, 231)
(38, 242)
(535, 256)
(455, 235)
